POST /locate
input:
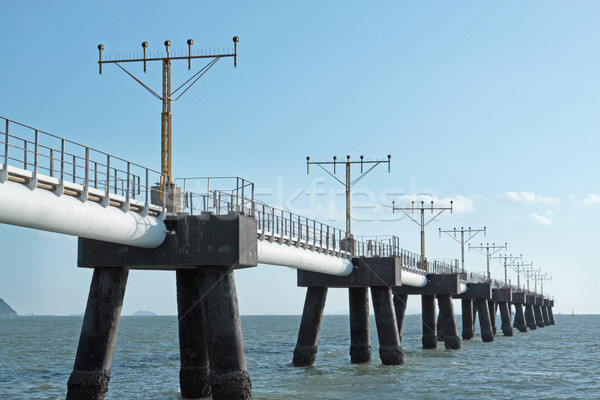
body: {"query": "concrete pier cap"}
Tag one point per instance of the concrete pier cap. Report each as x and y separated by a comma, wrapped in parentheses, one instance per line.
(198, 240)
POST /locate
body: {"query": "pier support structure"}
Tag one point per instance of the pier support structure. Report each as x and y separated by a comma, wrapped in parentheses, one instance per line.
(211, 343)
(467, 319)
(450, 333)
(390, 350)
(503, 298)
(518, 301)
(537, 310)
(550, 313)
(400, 301)
(91, 372)
(492, 307)
(487, 335)
(360, 332)
(529, 314)
(545, 314)
(479, 293)
(305, 352)
(429, 338)
(194, 358)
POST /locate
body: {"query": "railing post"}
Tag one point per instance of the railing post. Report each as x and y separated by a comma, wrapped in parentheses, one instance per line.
(314, 234)
(147, 189)
(6, 136)
(87, 174)
(299, 230)
(107, 188)
(321, 236)
(95, 174)
(62, 163)
(74, 168)
(25, 154)
(128, 183)
(51, 163)
(35, 154)
(253, 206)
(117, 183)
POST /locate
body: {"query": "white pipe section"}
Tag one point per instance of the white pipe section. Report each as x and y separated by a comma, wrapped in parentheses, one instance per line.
(292, 256)
(43, 209)
(463, 287)
(412, 279)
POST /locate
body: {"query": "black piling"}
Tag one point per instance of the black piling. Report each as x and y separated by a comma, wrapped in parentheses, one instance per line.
(360, 338)
(474, 322)
(530, 317)
(194, 372)
(305, 352)
(487, 335)
(492, 311)
(429, 338)
(551, 315)
(467, 318)
(450, 333)
(229, 377)
(505, 317)
(545, 316)
(400, 301)
(539, 319)
(520, 318)
(390, 351)
(440, 325)
(91, 372)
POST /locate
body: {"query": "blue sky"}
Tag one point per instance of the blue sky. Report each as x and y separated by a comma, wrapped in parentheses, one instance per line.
(491, 103)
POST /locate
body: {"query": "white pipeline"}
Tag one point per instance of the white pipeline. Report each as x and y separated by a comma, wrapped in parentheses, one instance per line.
(296, 257)
(43, 209)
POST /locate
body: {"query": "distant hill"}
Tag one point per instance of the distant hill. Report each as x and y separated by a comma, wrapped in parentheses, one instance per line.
(6, 310)
(144, 313)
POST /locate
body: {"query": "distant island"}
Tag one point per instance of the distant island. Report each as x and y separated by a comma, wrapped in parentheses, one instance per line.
(144, 314)
(6, 310)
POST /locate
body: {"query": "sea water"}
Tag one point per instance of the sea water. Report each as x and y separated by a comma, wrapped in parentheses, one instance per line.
(555, 362)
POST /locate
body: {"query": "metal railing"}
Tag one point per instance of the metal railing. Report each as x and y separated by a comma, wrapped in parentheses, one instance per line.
(444, 267)
(62, 161)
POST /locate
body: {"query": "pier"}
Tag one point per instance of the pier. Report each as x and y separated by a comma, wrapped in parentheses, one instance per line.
(125, 221)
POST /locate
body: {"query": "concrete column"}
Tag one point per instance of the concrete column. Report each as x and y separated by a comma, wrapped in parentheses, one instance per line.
(467, 319)
(545, 316)
(487, 335)
(530, 317)
(520, 318)
(539, 319)
(305, 352)
(551, 315)
(450, 335)
(91, 372)
(440, 325)
(194, 371)
(229, 378)
(492, 312)
(505, 316)
(400, 301)
(429, 339)
(474, 316)
(390, 351)
(360, 337)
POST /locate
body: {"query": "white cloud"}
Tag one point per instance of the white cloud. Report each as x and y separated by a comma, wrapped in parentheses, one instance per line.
(541, 220)
(591, 199)
(460, 204)
(528, 198)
